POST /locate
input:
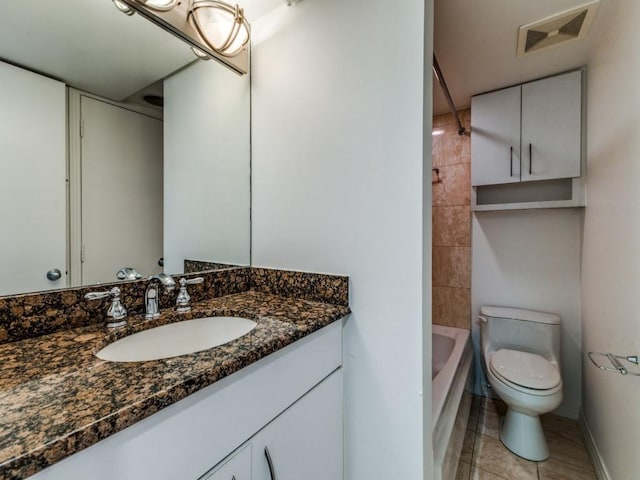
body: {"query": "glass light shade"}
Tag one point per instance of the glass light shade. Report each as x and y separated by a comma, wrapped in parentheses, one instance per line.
(159, 5)
(221, 26)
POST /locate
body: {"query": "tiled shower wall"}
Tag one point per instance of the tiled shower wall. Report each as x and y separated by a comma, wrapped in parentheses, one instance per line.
(451, 222)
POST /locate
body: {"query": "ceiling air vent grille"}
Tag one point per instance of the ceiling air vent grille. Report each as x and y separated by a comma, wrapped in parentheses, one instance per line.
(557, 29)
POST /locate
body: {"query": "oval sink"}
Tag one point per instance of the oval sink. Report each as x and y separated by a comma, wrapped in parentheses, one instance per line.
(175, 339)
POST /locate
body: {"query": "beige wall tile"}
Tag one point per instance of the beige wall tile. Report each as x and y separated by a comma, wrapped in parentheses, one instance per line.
(452, 226)
(450, 148)
(452, 267)
(453, 187)
(452, 307)
(452, 222)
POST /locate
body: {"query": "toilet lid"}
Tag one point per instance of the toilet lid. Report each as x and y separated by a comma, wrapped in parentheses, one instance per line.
(525, 369)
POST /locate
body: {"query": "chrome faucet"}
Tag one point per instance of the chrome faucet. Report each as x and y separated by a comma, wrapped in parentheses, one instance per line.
(183, 302)
(151, 304)
(116, 311)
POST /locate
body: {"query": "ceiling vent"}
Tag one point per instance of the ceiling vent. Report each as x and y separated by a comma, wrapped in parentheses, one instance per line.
(557, 29)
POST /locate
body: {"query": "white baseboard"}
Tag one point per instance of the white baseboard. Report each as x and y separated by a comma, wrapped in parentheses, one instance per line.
(592, 449)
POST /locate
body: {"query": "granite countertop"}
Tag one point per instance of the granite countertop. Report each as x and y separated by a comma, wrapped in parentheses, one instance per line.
(57, 398)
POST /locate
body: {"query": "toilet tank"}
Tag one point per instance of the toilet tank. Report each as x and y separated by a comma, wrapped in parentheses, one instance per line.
(518, 329)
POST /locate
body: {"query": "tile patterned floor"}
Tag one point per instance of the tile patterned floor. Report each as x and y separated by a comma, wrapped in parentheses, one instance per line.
(484, 457)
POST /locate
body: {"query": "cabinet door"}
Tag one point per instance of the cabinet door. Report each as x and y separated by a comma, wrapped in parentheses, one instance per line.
(33, 189)
(495, 137)
(551, 127)
(236, 467)
(305, 441)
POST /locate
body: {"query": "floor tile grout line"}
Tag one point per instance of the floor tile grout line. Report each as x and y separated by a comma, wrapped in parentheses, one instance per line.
(484, 403)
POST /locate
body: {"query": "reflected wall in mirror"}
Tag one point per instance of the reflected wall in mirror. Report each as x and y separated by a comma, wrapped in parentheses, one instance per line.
(92, 177)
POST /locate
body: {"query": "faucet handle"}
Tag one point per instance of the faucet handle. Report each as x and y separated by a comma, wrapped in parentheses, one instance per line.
(183, 302)
(116, 311)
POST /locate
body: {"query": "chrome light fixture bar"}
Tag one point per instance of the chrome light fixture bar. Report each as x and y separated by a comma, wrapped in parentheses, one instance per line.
(157, 5)
(212, 28)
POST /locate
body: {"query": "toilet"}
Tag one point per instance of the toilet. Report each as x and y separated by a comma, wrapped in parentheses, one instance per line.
(521, 357)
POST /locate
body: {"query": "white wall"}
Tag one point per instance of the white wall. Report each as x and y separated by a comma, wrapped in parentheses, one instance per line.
(531, 259)
(611, 260)
(337, 187)
(206, 166)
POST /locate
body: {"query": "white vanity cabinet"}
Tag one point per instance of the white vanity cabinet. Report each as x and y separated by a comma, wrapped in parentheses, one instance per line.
(527, 145)
(305, 441)
(236, 467)
(289, 401)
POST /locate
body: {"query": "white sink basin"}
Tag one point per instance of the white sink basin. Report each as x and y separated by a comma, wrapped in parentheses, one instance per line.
(181, 338)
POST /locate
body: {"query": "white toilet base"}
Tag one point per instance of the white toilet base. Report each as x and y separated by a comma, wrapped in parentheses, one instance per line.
(523, 435)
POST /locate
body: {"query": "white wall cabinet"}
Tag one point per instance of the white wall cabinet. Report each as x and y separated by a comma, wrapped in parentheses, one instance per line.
(495, 145)
(527, 145)
(551, 127)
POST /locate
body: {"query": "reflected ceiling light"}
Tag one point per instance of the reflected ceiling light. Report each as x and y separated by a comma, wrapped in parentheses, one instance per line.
(222, 27)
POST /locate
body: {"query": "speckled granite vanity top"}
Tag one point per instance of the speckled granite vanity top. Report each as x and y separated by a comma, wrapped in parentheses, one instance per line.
(57, 398)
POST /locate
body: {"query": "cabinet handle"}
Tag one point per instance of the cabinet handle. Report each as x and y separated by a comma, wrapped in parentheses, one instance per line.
(511, 161)
(272, 470)
(530, 158)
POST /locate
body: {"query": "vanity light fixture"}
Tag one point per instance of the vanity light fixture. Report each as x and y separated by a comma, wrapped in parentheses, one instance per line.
(212, 28)
(221, 26)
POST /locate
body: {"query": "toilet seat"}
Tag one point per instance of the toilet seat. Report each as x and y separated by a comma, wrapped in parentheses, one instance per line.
(525, 372)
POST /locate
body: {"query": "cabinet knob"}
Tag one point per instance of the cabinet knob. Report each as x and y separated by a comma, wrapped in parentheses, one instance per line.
(54, 275)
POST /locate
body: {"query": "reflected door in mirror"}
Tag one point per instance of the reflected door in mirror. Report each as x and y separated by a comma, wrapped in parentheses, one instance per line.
(32, 181)
(122, 178)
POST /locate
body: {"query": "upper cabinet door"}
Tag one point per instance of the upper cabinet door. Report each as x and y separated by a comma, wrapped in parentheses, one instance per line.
(495, 144)
(551, 127)
(33, 185)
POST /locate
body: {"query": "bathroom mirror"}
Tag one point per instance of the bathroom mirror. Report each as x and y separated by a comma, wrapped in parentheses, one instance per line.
(117, 149)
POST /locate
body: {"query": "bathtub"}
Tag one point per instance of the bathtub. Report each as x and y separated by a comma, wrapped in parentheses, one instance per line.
(452, 387)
